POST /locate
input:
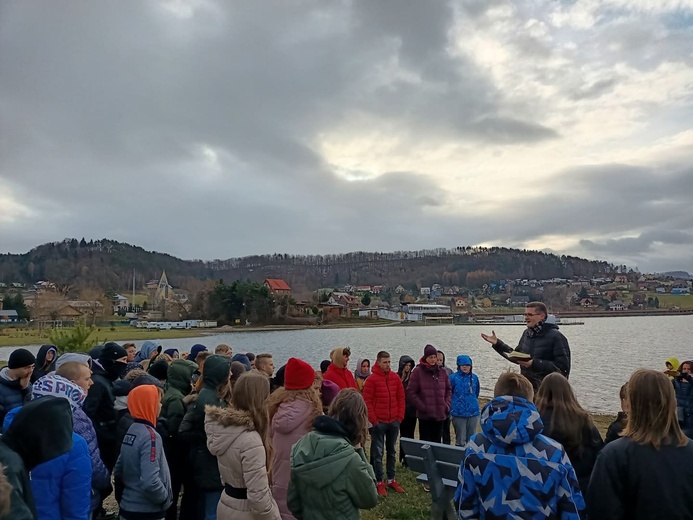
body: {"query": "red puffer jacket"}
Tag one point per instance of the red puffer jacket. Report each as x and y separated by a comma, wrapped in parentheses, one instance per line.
(430, 392)
(341, 377)
(384, 396)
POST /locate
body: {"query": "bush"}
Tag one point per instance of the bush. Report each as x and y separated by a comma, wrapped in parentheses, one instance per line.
(77, 339)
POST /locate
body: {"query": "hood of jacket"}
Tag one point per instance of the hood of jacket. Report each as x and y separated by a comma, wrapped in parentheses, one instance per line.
(146, 351)
(403, 361)
(291, 415)
(41, 430)
(216, 370)
(5, 379)
(463, 360)
(379, 371)
(224, 426)
(179, 375)
(43, 352)
(546, 327)
(58, 386)
(509, 420)
(323, 454)
(674, 362)
(337, 357)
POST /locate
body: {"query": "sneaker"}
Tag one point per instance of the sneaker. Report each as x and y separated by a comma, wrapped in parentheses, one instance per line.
(382, 491)
(394, 485)
(427, 488)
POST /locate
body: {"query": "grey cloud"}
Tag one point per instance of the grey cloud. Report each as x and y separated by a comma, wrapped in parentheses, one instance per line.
(594, 90)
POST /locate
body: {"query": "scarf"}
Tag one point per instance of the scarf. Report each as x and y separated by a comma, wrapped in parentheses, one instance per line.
(534, 331)
(358, 374)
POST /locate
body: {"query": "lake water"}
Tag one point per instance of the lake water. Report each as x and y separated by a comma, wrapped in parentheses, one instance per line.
(605, 351)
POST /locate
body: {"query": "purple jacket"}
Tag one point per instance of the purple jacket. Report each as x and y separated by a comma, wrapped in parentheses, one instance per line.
(289, 424)
(429, 390)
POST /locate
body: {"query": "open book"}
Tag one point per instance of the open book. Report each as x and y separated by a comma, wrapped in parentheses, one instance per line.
(518, 356)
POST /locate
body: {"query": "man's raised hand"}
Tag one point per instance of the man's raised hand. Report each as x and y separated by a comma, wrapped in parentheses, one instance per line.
(492, 339)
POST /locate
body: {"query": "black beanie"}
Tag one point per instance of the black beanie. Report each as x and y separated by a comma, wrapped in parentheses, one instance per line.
(21, 358)
(159, 369)
(112, 351)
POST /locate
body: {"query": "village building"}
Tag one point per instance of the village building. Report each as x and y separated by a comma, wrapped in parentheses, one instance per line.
(277, 287)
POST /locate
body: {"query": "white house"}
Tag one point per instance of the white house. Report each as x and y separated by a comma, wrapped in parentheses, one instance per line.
(120, 303)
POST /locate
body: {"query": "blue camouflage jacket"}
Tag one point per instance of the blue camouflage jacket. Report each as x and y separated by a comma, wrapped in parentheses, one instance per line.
(465, 391)
(511, 470)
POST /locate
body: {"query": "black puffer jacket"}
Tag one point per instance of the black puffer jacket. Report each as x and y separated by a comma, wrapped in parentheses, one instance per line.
(409, 408)
(99, 407)
(549, 350)
(636, 482)
(192, 429)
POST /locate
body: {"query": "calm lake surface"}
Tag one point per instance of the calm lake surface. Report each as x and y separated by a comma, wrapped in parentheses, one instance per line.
(605, 351)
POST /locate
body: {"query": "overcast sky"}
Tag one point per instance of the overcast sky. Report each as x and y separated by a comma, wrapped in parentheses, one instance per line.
(220, 129)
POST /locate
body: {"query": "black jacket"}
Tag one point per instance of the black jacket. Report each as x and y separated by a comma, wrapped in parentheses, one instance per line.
(549, 350)
(409, 408)
(99, 407)
(636, 482)
(583, 460)
(615, 428)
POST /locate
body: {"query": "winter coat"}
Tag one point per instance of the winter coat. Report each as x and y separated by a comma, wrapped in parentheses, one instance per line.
(39, 370)
(231, 437)
(342, 377)
(615, 428)
(289, 424)
(58, 386)
(62, 486)
(429, 390)
(384, 396)
(634, 481)
(549, 350)
(511, 469)
(40, 432)
(465, 391)
(329, 478)
(142, 472)
(178, 385)
(583, 460)
(683, 385)
(409, 408)
(192, 427)
(12, 394)
(99, 407)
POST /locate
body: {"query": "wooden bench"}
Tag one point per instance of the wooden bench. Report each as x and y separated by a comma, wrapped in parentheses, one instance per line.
(439, 465)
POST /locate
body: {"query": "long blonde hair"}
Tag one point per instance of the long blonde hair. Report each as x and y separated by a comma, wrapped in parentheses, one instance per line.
(282, 395)
(249, 394)
(652, 410)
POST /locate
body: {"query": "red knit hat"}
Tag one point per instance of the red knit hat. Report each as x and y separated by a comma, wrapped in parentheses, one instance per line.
(299, 375)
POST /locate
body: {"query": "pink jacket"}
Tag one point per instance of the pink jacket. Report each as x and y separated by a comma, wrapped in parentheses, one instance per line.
(289, 424)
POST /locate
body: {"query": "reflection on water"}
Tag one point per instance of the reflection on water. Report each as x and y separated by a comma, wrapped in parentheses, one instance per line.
(605, 351)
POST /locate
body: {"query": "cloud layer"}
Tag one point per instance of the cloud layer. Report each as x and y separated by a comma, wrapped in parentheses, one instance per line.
(216, 129)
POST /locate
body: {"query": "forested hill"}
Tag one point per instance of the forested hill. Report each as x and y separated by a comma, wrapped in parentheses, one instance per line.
(109, 264)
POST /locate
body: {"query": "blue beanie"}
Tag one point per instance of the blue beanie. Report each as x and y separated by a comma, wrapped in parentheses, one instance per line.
(242, 358)
(195, 350)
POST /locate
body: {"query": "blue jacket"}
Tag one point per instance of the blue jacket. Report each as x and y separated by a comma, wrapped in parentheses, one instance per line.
(512, 470)
(62, 486)
(12, 394)
(58, 386)
(465, 391)
(683, 385)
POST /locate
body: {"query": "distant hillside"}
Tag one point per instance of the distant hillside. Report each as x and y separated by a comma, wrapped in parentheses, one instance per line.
(681, 275)
(109, 264)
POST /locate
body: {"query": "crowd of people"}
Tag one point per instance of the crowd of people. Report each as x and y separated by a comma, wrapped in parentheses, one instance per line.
(207, 435)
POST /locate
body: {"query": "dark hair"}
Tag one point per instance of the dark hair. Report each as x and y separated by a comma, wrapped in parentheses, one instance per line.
(250, 356)
(382, 354)
(538, 307)
(569, 421)
(346, 351)
(513, 384)
(623, 392)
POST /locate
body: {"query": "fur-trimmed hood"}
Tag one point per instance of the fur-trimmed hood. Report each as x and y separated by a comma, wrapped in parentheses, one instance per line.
(226, 427)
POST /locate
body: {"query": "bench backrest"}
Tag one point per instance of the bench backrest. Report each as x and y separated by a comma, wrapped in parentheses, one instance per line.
(447, 458)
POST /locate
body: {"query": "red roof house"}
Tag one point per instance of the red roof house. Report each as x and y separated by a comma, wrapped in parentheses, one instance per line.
(277, 286)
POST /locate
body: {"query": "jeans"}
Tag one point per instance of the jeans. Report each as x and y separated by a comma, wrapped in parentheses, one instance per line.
(465, 427)
(384, 433)
(211, 503)
(431, 431)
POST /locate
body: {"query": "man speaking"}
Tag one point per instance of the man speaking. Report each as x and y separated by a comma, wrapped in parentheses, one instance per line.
(541, 350)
